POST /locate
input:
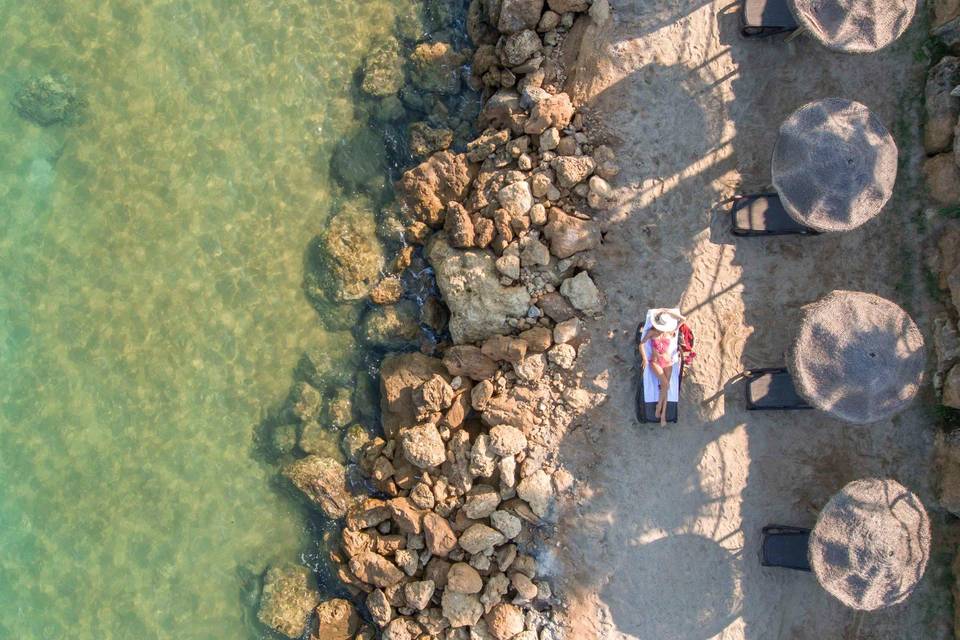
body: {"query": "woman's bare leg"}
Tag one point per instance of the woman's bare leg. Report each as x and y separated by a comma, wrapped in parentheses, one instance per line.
(665, 393)
(658, 370)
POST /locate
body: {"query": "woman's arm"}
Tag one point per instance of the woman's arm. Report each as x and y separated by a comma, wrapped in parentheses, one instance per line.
(643, 352)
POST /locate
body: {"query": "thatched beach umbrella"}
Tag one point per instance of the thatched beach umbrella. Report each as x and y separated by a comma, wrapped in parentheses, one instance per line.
(871, 544)
(854, 26)
(834, 165)
(857, 356)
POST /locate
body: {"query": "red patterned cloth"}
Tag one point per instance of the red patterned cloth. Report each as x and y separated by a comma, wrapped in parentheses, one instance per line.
(686, 344)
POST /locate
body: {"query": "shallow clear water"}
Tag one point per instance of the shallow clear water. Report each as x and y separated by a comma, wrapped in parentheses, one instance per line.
(151, 308)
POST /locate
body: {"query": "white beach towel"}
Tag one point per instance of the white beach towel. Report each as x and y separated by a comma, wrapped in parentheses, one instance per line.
(651, 385)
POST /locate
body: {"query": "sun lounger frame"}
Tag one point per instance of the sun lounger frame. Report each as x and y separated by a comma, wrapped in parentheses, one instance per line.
(785, 547)
(775, 18)
(791, 400)
(781, 224)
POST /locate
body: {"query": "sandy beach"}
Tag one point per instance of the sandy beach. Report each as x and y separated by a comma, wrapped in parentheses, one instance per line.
(661, 540)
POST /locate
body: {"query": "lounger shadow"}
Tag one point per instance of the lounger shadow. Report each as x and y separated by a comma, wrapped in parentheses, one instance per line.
(763, 214)
(785, 547)
(762, 18)
(772, 389)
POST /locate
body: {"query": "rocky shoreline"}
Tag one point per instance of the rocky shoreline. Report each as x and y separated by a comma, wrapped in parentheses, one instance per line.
(444, 510)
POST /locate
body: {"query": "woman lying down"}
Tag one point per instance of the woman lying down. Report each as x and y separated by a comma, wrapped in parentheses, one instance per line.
(664, 356)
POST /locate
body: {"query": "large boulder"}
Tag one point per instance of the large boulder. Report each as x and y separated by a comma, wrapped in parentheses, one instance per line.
(426, 189)
(569, 235)
(400, 376)
(550, 111)
(49, 99)
(337, 620)
(517, 15)
(287, 599)
(505, 621)
(582, 293)
(348, 253)
(324, 482)
(383, 71)
(520, 47)
(372, 568)
(943, 179)
(942, 107)
(392, 327)
(470, 283)
(435, 67)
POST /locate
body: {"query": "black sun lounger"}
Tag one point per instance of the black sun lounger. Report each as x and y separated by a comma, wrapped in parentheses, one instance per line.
(646, 408)
(761, 18)
(785, 547)
(763, 215)
(772, 390)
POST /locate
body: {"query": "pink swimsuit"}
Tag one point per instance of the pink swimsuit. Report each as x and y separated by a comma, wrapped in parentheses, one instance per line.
(661, 346)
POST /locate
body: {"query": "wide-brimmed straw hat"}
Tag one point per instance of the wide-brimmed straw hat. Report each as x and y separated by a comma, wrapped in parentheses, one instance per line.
(663, 321)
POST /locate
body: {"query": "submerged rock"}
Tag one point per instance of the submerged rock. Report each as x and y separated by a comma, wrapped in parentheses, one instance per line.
(436, 67)
(349, 253)
(323, 481)
(479, 304)
(392, 327)
(359, 162)
(49, 99)
(287, 600)
(383, 71)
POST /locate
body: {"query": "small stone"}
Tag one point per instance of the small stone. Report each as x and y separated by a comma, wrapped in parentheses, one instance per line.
(582, 293)
(479, 537)
(572, 170)
(496, 588)
(520, 47)
(422, 496)
(537, 491)
(538, 215)
(461, 609)
(463, 578)
(482, 460)
(516, 198)
(538, 339)
(504, 348)
(563, 356)
(440, 537)
(540, 183)
(422, 446)
(406, 515)
(566, 331)
(481, 394)
(509, 266)
(526, 590)
(535, 254)
(337, 620)
(374, 569)
(506, 523)
(481, 502)
(408, 561)
(506, 440)
(504, 621)
(418, 594)
(531, 368)
(549, 139)
(379, 608)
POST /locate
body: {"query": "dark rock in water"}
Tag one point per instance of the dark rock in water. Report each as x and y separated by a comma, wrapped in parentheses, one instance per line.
(287, 600)
(383, 73)
(304, 402)
(366, 399)
(321, 367)
(359, 162)
(347, 256)
(435, 67)
(391, 326)
(48, 100)
(354, 440)
(340, 408)
(318, 440)
(284, 438)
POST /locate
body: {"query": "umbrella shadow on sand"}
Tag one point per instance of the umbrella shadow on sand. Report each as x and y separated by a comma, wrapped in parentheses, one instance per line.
(695, 600)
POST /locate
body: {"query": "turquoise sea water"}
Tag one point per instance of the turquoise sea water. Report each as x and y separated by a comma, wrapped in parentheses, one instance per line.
(151, 308)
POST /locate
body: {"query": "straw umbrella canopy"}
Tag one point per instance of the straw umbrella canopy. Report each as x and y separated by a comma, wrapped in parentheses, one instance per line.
(871, 544)
(857, 356)
(834, 165)
(854, 26)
